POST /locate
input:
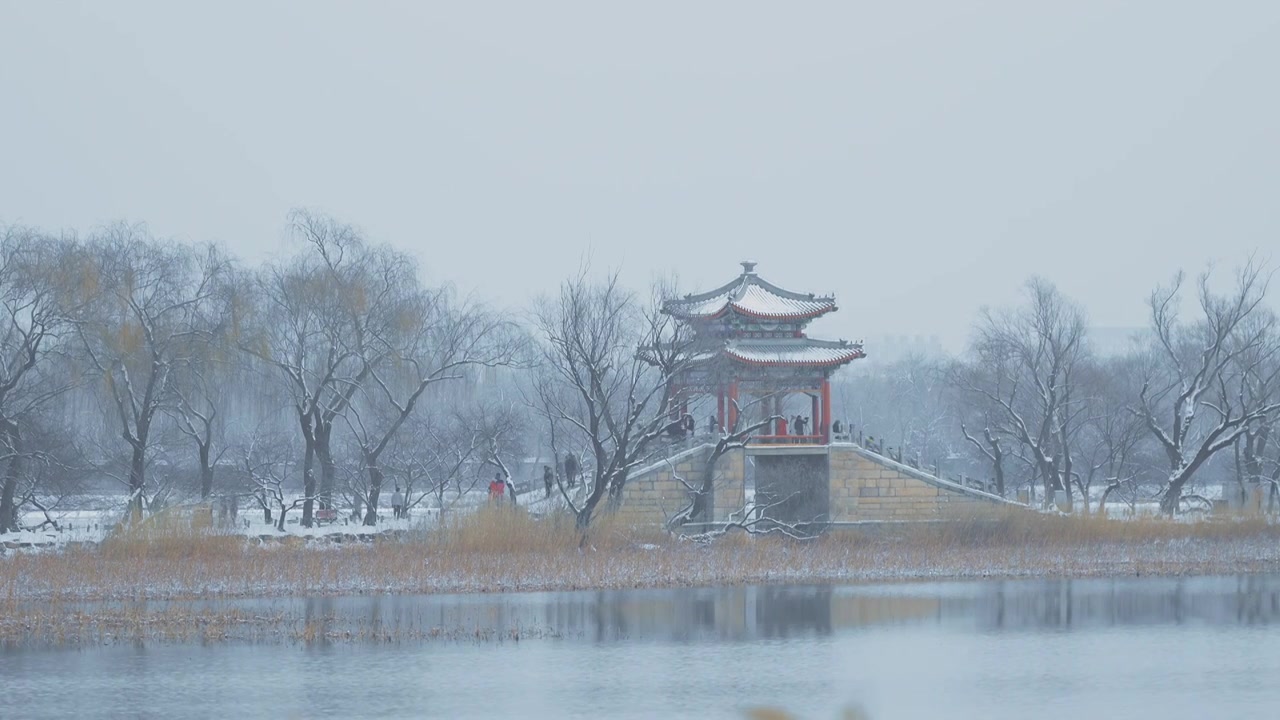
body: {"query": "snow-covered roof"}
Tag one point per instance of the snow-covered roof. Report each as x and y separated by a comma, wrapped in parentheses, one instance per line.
(800, 351)
(782, 352)
(750, 295)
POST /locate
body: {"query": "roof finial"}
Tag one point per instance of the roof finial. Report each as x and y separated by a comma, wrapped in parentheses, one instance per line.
(748, 268)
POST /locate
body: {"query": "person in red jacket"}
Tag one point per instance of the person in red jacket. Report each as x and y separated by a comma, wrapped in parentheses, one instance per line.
(497, 488)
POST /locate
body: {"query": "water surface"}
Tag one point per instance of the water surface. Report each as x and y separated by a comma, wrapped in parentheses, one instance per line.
(1134, 647)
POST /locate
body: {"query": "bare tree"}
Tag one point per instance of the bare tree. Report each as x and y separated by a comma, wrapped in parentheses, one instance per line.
(501, 425)
(451, 448)
(433, 339)
(1258, 370)
(1193, 380)
(195, 413)
(198, 381)
(607, 359)
(991, 449)
(1110, 437)
(268, 464)
(39, 288)
(435, 452)
(52, 469)
(754, 519)
(315, 316)
(1032, 355)
(729, 438)
(155, 298)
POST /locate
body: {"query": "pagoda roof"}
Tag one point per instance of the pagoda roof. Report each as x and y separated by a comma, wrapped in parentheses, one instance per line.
(794, 352)
(750, 295)
(775, 352)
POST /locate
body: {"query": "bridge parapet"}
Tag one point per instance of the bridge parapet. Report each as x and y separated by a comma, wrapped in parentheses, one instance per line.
(867, 486)
(838, 483)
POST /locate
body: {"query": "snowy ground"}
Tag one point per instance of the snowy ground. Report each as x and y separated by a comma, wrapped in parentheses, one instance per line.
(92, 523)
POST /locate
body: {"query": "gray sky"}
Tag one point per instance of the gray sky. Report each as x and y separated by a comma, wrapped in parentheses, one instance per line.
(918, 159)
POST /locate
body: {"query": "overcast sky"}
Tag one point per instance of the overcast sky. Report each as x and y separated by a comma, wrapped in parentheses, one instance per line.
(918, 159)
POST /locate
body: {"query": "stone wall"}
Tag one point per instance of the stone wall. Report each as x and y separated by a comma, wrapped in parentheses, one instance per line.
(730, 488)
(862, 486)
(653, 494)
(868, 487)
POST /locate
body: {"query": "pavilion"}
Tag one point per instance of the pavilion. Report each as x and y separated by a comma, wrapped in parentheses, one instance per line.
(751, 354)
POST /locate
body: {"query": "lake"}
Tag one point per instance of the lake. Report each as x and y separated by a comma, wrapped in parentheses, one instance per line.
(1132, 647)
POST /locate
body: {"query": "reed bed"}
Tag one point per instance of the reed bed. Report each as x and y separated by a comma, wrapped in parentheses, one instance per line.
(503, 549)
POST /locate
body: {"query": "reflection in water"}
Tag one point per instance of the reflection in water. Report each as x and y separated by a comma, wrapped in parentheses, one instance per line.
(999, 649)
(735, 614)
(746, 613)
(1064, 604)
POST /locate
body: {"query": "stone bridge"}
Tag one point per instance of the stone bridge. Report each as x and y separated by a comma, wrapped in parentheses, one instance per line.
(832, 484)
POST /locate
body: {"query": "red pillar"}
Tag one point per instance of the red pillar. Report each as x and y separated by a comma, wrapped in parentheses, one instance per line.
(814, 417)
(826, 411)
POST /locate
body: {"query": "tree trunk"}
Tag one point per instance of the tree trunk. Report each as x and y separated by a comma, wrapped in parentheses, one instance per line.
(1049, 494)
(328, 469)
(704, 494)
(308, 478)
(8, 507)
(697, 506)
(375, 489)
(1173, 495)
(206, 473)
(1102, 502)
(137, 478)
(1064, 479)
(584, 514)
(1084, 496)
(615, 492)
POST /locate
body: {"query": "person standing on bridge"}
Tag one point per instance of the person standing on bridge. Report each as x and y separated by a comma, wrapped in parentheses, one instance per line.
(571, 469)
(497, 489)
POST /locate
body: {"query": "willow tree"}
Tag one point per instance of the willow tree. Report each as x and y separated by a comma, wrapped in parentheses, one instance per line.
(41, 287)
(426, 336)
(304, 322)
(155, 297)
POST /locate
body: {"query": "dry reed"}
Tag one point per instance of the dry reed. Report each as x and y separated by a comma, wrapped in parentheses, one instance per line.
(507, 550)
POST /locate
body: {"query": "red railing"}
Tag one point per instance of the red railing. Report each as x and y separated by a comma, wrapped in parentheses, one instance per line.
(788, 440)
